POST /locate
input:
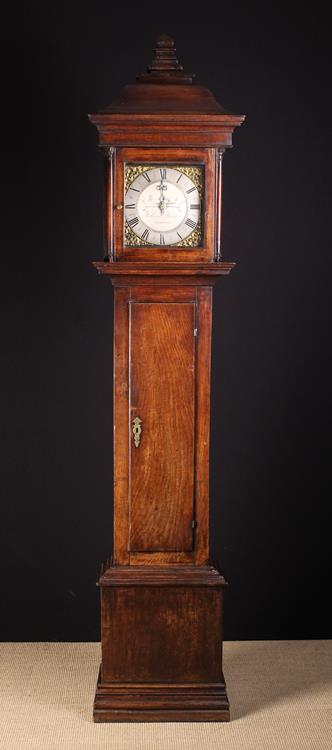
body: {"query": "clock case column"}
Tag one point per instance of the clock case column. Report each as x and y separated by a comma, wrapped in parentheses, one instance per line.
(161, 600)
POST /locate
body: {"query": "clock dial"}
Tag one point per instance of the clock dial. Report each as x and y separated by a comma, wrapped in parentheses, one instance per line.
(162, 206)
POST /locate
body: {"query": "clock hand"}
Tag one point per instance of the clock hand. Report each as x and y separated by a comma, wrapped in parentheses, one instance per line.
(157, 205)
(162, 202)
(162, 187)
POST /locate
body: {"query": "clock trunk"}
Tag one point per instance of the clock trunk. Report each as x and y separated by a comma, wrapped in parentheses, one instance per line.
(161, 370)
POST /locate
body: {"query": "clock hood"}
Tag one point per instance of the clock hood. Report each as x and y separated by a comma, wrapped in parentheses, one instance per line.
(159, 96)
(165, 94)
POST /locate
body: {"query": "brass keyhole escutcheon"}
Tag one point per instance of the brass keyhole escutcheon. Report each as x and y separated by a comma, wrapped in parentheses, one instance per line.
(137, 431)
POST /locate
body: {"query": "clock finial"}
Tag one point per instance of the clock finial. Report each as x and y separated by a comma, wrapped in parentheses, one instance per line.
(165, 66)
(164, 57)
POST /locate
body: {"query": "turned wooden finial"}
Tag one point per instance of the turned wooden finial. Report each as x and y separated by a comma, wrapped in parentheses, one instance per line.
(165, 66)
(164, 55)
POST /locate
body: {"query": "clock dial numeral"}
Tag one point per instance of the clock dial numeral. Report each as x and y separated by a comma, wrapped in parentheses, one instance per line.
(136, 191)
(145, 234)
(163, 174)
(191, 189)
(179, 178)
(130, 205)
(133, 222)
(146, 176)
(162, 239)
(179, 235)
(191, 223)
(194, 206)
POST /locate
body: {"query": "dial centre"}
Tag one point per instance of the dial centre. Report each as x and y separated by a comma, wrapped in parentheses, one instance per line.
(162, 206)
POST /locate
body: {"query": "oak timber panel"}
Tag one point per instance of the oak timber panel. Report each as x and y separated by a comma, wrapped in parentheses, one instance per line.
(162, 394)
(204, 324)
(152, 634)
(121, 449)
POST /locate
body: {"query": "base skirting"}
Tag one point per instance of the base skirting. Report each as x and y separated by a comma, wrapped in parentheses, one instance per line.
(151, 702)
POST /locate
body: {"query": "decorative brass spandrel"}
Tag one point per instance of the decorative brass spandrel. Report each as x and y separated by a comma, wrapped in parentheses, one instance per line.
(194, 239)
(134, 170)
(195, 174)
(132, 239)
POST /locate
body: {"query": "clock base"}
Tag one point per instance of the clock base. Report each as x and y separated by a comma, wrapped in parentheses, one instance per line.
(161, 633)
(143, 702)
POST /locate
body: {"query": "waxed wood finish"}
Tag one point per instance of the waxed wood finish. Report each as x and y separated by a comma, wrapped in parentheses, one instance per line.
(161, 627)
(161, 601)
(218, 249)
(162, 375)
(109, 156)
(170, 575)
(166, 129)
(162, 395)
(121, 431)
(161, 645)
(202, 443)
(143, 623)
(132, 273)
(158, 702)
(205, 157)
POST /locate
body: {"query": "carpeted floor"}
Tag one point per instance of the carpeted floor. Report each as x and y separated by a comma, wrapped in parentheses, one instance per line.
(280, 694)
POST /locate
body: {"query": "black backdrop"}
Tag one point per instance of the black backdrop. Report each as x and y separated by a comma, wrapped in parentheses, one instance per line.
(270, 374)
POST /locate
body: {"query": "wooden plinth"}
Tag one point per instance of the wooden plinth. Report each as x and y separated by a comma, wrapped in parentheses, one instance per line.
(142, 702)
(161, 645)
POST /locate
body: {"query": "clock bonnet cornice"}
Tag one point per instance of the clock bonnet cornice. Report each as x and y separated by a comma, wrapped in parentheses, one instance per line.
(161, 605)
(165, 105)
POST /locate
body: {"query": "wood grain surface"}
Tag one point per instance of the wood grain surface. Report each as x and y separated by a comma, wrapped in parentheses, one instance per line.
(162, 394)
(204, 157)
(161, 600)
(181, 623)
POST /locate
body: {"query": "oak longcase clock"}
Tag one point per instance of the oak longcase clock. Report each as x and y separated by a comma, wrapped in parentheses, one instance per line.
(161, 599)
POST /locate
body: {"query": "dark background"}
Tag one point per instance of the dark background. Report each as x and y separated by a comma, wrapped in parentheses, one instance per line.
(271, 383)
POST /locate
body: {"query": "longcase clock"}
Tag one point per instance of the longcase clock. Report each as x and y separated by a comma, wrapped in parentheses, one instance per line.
(161, 599)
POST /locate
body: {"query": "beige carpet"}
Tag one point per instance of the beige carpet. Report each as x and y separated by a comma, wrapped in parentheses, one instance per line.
(280, 694)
